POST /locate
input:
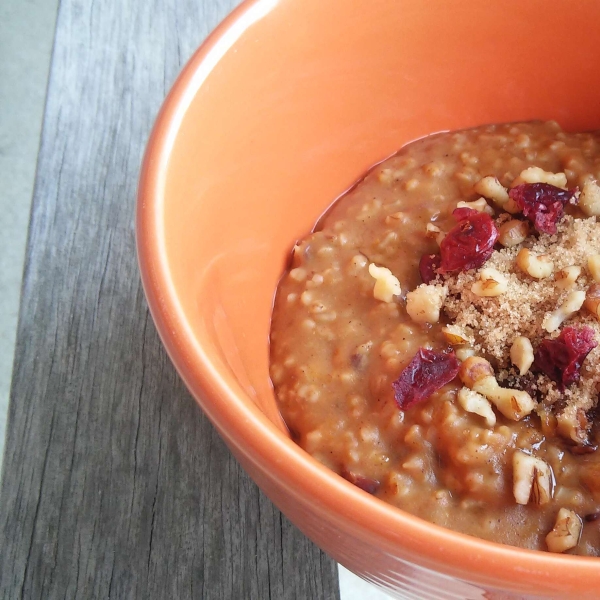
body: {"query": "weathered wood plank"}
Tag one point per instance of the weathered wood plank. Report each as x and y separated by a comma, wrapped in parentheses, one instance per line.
(115, 485)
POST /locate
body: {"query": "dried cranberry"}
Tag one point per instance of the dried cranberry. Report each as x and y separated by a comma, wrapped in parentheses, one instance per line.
(428, 266)
(560, 359)
(463, 213)
(364, 483)
(427, 372)
(470, 244)
(543, 204)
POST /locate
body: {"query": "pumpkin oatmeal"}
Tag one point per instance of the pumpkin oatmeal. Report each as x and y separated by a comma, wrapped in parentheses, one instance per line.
(435, 340)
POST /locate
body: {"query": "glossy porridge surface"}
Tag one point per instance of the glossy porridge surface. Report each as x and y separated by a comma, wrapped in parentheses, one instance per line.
(336, 349)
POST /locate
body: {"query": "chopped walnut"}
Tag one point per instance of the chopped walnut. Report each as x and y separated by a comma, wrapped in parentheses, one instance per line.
(464, 352)
(477, 374)
(594, 267)
(573, 425)
(423, 305)
(532, 479)
(491, 188)
(386, 285)
(538, 267)
(513, 232)
(433, 231)
(474, 402)
(566, 278)
(566, 532)
(572, 303)
(521, 354)
(456, 336)
(491, 283)
(479, 205)
(589, 199)
(537, 175)
(592, 300)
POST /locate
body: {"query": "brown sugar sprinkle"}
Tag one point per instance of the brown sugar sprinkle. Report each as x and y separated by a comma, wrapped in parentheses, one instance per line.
(526, 305)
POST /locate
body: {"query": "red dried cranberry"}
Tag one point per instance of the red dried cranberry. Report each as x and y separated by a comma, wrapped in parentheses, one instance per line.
(561, 359)
(428, 266)
(364, 483)
(470, 244)
(427, 372)
(463, 213)
(543, 204)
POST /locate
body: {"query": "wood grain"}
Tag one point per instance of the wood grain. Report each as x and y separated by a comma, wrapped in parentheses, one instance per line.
(115, 485)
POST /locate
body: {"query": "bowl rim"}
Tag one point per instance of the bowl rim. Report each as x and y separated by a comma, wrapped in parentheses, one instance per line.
(245, 427)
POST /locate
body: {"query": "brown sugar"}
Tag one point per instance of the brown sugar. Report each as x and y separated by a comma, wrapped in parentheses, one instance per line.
(527, 305)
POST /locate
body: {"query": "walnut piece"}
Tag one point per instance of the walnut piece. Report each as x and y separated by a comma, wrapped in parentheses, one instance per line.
(423, 304)
(479, 205)
(455, 335)
(572, 303)
(464, 352)
(538, 267)
(566, 532)
(433, 231)
(565, 278)
(537, 175)
(589, 199)
(491, 283)
(594, 267)
(386, 284)
(474, 402)
(513, 232)
(521, 354)
(532, 479)
(477, 374)
(592, 300)
(491, 188)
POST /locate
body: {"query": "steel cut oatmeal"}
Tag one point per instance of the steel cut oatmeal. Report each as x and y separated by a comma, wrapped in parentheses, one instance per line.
(435, 341)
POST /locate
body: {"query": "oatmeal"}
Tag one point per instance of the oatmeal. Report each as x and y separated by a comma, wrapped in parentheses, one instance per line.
(435, 340)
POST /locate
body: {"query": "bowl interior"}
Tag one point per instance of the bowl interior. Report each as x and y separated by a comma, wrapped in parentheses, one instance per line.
(290, 103)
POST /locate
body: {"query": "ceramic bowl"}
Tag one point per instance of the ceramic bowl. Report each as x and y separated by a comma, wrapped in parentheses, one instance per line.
(283, 107)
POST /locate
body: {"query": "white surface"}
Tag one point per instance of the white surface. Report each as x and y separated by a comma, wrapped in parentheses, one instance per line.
(354, 588)
(26, 34)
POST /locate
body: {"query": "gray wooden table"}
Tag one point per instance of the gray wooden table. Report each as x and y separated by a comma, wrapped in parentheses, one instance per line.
(114, 483)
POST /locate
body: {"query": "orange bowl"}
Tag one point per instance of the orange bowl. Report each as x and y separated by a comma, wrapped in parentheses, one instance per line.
(284, 106)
